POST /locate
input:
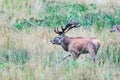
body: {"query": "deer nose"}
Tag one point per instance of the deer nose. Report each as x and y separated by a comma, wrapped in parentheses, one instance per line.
(52, 41)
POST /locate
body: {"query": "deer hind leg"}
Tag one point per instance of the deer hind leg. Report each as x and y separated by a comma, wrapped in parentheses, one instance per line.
(93, 52)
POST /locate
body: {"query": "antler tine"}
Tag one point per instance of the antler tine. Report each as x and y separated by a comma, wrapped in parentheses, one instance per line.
(62, 28)
(59, 32)
(56, 31)
(67, 21)
(72, 24)
(75, 23)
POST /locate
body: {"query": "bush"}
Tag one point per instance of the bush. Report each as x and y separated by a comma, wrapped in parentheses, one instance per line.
(57, 14)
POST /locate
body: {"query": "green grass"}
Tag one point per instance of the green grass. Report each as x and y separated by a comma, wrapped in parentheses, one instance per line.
(28, 54)
(56, 14)
(14, 56)
(52, 14)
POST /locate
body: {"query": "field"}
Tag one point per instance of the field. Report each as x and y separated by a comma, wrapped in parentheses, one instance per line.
(26, 28)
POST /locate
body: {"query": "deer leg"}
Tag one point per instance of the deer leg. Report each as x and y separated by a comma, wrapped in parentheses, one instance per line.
(92, 52)
(75, 55)
(65, 57)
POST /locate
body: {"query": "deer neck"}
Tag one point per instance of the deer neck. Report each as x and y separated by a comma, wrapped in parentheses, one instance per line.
(65, 42)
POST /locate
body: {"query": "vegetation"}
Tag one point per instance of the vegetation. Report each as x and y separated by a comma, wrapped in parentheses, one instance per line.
(26, 30)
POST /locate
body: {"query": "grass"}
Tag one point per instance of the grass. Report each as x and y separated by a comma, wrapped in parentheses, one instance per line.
(52, 13)
(55, 14)
(26, 28)
(38, 57)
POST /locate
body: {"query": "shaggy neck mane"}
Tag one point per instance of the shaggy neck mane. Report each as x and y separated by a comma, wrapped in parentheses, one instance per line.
(65, 42)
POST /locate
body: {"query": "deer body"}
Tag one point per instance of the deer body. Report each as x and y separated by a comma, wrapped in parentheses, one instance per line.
(80, 45)
(76, 45)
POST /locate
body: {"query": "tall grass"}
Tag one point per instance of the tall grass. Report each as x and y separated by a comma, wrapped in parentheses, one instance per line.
(28, 54)
(31, 56)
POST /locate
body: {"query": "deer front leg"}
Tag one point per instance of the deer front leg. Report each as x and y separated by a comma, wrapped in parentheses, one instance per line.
(64, 58)
(75, 54)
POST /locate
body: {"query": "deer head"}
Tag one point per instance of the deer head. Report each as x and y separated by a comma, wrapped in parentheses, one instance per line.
(61, 34)
(115, 28)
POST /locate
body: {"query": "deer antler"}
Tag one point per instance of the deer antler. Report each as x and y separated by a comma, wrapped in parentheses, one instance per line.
(68, 26)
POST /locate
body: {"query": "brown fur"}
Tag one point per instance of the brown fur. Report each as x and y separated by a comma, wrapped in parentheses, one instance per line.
(81, 45)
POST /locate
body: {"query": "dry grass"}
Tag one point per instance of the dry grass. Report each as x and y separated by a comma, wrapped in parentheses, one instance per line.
(43, 55)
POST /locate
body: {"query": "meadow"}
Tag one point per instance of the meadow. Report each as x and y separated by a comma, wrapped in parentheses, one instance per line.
(26, 28)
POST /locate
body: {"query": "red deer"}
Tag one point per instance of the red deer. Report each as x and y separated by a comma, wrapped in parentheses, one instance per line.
(116, 28)
(76, 45)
